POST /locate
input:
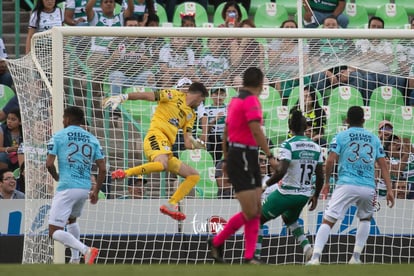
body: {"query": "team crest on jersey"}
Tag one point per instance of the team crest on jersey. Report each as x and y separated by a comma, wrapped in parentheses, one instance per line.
(189, 116)
(169, 94)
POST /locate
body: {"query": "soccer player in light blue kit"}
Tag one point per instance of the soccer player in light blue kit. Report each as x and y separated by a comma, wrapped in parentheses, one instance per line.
(355, 150)
(76, 150)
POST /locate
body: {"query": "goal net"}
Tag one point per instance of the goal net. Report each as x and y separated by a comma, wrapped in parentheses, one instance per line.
(322, 72)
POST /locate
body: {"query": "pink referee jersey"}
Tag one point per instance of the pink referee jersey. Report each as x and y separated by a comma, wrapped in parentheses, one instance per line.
(241, 111)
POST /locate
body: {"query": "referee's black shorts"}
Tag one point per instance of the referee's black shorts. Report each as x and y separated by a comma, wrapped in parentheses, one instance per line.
(243, 168)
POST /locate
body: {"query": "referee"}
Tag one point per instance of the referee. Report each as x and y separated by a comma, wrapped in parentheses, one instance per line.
(242, 138)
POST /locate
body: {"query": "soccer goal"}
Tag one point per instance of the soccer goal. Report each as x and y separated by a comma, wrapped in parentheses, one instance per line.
(82, 65)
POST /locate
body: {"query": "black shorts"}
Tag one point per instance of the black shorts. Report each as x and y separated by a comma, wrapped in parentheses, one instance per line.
(243, 169)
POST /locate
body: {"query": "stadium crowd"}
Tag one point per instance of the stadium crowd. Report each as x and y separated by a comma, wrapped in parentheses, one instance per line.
(211, 65)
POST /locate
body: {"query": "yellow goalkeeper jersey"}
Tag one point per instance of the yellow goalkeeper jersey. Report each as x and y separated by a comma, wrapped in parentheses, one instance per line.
(172, 114)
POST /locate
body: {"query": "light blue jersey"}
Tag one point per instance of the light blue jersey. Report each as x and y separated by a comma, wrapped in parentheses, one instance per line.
(358, 149)
(76, 151)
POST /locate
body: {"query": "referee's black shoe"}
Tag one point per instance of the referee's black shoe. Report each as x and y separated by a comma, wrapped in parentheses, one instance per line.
(216, 252)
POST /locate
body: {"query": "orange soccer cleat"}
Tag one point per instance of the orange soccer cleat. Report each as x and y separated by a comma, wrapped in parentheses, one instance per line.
(91, 255)
(118, 174)
(172, 211)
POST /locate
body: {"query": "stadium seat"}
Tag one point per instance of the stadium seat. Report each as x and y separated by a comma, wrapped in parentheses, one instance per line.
(294, 97)
(201, 16)
(256, 3)
(385, 100)
(371, 5)
(357, 15)
(276, 123)
(202, 161)
(270, 15)
(403, 121)
(6, 93)
(343, 97)
(218, 20)
(394, 16)
(407, 4)
(162, 14)
(372, 119)
(269, 98)
(334, 124)
(290, 6)
(141, 111)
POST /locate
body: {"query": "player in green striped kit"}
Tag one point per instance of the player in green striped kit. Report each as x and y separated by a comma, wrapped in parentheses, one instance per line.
(290, 186)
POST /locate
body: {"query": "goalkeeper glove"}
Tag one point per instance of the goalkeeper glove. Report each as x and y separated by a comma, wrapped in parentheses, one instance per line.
(197, 143)
(114, 101)
(118, 174)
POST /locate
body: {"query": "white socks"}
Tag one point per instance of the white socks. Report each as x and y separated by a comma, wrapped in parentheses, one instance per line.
(69, 240)
(361, 237)
(74, 229)
(321, 239)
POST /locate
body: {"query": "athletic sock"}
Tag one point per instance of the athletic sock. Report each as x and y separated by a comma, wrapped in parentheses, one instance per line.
(321, 239)
(361, 237)
(298, 233)
(74, 229)
(251, 230)
(145, 169)
(184, 188)
(69, 241)
(258, 251)
(234, 224)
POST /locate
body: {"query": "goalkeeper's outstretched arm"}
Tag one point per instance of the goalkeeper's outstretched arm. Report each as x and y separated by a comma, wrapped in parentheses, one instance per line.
(114, 101)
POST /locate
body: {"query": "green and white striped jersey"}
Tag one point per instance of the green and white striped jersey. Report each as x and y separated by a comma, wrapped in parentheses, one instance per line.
(303, 154)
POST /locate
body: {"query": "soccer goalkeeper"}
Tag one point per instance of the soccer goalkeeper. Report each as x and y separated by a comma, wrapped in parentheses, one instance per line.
(175, 111)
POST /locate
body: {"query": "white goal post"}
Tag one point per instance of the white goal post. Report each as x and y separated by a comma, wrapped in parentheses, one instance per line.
(68, 66)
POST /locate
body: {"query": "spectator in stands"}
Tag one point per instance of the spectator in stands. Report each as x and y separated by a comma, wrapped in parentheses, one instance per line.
(231, 15)
(176, 59)
(283, 62)
(130, 62)
(11, 135)
(188, 20)
(379, 56)
(266, 170)
(216, 3)
(75, 14)
(214, 63)
(153, 21)
(8, 186)
(143, 9)
(106, 18)
(136, 188)
(170, 6)
(316, 11)
(5, 77)
(401, 157)
(400, 189)
(213, 123)
(225, 189)
(405, 58)
(314, 114)
(245, 53)
(45, 15)
(385, 130)
(327, 53)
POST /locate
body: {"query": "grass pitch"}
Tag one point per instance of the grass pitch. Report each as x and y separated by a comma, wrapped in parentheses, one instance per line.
(207, 270)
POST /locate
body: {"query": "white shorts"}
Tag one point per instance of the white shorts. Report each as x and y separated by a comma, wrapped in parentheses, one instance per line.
(346, 195)
(65, 204)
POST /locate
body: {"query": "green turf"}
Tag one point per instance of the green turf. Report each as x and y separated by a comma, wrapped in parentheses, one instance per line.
(210, 270)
